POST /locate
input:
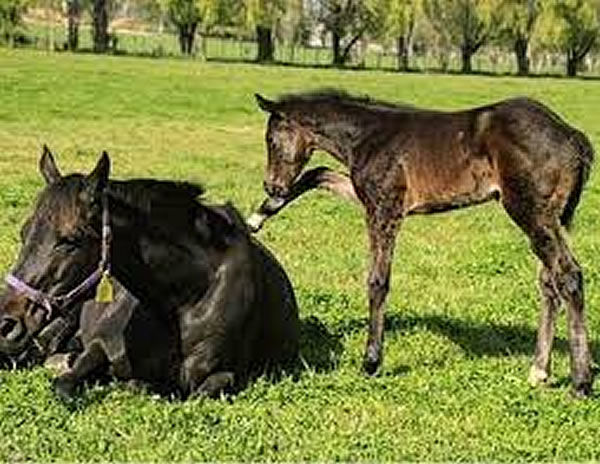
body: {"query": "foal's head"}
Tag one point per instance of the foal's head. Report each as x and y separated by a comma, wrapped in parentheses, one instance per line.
(289, 146)
(60, 248)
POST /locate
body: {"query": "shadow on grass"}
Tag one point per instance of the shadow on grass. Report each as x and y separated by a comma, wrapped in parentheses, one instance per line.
(320, 350)
(474, 337)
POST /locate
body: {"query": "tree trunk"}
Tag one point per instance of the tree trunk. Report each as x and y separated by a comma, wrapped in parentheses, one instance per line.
(100, 19)
(266, 48)
(73, 15)
(521, 46)
(187, 34)
(338, 59)
(402, 50)
(466, 54)
(572, 63)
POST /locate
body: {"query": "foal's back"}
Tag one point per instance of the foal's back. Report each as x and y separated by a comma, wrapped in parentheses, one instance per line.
(446, 160)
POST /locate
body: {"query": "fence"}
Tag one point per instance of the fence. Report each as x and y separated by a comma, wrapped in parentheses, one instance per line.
(489, 60)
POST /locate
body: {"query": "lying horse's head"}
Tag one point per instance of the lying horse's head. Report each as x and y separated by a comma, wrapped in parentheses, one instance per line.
(61, 246)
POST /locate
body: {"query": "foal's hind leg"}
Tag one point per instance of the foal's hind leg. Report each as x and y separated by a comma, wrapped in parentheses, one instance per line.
(540, 369)
(549, 245)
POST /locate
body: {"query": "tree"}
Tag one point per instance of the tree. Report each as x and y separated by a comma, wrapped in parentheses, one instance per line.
(347, 21)
(186, 15)
(262, 15)
(398, 20)
(572, 27)
(100, 25)
(518, 23)
(73, 18)
(467, 24)
(11, 19)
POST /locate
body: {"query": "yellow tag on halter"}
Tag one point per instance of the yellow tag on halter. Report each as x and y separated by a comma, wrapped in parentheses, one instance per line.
(104, 292)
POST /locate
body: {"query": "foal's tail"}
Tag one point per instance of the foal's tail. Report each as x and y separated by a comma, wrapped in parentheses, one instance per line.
(585, 158)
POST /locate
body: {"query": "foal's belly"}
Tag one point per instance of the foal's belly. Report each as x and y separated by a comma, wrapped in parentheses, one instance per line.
(440, 187)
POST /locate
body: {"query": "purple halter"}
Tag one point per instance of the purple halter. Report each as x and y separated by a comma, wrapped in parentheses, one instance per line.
(57, 302)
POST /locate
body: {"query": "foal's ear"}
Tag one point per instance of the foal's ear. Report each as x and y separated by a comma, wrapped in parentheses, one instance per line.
(98, 178)
(266, 105)
(48, 167)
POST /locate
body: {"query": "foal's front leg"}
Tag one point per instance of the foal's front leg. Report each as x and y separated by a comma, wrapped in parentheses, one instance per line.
(382, 230)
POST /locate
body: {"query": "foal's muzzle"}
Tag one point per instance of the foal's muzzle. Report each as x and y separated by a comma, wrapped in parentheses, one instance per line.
(274, 190)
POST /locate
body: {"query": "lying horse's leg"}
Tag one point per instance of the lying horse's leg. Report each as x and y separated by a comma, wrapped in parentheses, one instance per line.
(215, 384)
(382, 230)
(320, 177)
(550, 305)
(89, 361)
(212, 341)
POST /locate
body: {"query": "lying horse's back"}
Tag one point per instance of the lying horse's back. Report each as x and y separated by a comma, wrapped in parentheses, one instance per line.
(246, 323)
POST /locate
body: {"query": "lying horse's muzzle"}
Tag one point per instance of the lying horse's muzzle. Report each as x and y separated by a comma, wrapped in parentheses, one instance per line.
(11, 329)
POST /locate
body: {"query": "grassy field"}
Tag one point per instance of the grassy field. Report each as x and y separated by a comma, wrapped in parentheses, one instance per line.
(461, 316)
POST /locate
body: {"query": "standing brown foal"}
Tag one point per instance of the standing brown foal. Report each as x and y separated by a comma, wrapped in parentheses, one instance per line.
(404, 160)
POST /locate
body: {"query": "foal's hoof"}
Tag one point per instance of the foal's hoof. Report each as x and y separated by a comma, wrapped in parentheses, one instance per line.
(537, 376)
(64, 388)
(582, 390)
(255, 222)
(372, 361)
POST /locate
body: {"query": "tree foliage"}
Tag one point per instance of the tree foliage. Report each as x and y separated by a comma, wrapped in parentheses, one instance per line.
(571, 27)
(186, 16)
(263, 15)
(347, 21)
(11, 20)
(518, 21)
(397, 22)
(466, 24)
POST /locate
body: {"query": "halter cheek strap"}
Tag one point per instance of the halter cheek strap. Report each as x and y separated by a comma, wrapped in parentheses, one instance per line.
(57, 302)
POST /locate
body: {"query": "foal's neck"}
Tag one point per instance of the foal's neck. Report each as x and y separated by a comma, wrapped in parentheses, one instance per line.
(339, 132)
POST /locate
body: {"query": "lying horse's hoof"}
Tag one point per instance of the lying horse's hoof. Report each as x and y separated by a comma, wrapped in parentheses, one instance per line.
(64, 388)
(59, 363)
(215, 385)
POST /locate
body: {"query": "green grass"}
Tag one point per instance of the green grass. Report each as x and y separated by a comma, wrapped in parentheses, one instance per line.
(461, 315)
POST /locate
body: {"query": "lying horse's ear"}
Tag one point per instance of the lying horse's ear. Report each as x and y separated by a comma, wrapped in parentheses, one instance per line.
(98, 178)
(266, 105)
(48, 167)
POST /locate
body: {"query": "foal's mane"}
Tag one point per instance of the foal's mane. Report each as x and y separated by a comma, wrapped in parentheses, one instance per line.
(338, 97)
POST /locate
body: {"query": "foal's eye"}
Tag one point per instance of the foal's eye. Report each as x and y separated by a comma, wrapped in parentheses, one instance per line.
(68, 242)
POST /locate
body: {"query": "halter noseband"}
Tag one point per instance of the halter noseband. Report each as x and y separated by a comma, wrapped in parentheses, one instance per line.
(58, 302)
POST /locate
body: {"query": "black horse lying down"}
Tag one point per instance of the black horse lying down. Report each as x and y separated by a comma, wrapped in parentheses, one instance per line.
(197, 305)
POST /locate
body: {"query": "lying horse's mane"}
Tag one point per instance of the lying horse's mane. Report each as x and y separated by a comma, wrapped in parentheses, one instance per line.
(169, 205)
(168, 202)
(151, 194)
(338, 96)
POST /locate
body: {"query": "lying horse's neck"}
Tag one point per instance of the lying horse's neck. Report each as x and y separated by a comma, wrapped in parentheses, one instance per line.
(162, 264)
